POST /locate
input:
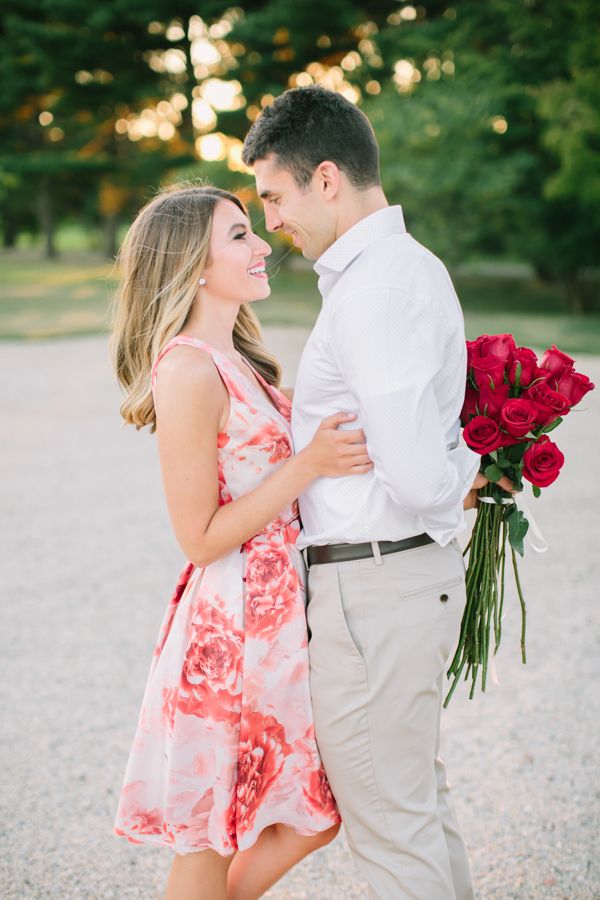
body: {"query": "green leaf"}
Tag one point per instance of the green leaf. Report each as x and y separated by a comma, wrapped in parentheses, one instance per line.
(517, 529)
(551, 426)
(492, 473)
(503, 463)
(536, 490)
(518, 370)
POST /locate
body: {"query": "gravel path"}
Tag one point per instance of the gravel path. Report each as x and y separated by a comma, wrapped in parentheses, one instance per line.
(88, 565)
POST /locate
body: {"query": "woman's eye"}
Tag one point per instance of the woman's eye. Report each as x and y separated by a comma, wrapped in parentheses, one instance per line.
(240, 236)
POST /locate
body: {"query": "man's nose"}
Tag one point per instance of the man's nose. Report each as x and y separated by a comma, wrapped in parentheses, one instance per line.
(272, 220)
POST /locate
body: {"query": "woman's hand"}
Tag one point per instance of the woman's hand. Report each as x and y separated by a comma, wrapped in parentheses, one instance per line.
(333, 453)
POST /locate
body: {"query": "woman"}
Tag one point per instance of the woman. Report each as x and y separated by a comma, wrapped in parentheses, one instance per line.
(224, 767)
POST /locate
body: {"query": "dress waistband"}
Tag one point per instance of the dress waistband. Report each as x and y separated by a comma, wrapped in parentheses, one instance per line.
(278, 527)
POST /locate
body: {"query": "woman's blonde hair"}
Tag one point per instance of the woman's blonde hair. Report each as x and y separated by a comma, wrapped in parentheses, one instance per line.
(162, 258)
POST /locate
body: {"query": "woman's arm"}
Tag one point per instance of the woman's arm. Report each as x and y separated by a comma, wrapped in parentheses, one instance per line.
(191, 406)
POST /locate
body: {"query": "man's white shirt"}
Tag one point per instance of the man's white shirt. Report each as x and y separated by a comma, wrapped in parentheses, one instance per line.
(388, 345)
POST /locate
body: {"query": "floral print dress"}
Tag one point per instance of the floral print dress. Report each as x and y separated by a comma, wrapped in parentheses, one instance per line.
(225, 743)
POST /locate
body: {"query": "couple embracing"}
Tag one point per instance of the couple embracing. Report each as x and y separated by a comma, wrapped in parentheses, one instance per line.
(297, 677)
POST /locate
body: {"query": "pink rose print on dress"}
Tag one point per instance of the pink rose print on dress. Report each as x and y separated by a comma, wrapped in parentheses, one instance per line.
(169, 707)
(272, 585)
(272, 441)
(136, 818)
(212, 671)
(262, 753)
(182, 583)
(318, 794)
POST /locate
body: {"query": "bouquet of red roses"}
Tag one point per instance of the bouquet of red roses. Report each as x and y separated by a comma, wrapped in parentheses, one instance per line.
(512, 401)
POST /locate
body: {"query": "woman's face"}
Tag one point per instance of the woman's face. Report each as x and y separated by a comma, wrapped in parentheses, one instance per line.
(236, 257)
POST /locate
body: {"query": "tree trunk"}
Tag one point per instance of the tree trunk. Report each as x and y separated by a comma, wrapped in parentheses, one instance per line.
(111, 223)
(46, 218)
(577, 296)
(11, 231)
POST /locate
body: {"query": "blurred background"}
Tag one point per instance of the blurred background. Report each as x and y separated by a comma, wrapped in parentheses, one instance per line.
(487, 114)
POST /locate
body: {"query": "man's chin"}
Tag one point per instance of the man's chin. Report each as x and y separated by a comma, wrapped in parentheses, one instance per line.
(308, 253)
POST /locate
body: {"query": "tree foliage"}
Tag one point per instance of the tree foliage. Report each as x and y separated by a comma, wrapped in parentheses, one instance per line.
(487, 113)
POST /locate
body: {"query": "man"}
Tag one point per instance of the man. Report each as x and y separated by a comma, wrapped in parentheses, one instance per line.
(386, 575)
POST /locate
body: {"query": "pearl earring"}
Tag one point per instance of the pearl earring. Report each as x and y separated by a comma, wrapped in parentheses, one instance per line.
(202, 282)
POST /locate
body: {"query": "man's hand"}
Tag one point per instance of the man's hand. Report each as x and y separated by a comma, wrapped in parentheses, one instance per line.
(471, 501)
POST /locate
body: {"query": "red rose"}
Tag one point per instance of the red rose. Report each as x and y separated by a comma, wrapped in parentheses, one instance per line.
(473, 350)
(574, 386)
(556, 361)
(507, 440)
(528, 361)
(501, 346)
(549, 404)
(542, 462)
(469, 406)
(541, 374)
(482, 434)
(492, 401)
(488, 371)
(518, 416)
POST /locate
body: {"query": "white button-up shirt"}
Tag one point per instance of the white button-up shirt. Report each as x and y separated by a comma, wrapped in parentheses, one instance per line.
(388, 345)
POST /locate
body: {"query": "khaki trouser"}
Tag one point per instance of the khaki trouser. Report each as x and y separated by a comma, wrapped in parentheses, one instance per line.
(381, 631)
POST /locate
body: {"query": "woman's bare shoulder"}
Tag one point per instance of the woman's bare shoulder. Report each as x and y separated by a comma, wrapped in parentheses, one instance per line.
(187, 373)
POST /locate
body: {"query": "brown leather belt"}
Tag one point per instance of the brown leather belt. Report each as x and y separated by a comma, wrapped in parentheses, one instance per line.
(333, 553)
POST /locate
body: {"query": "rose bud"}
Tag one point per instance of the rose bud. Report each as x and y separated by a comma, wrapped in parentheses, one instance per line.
(500, 345)
(488, 369)
(518, 416)
(473, 350)
(491, 401)
(574, 386)
(542, 462)
(482, 435)
(549, 404)
(556, 361)
(469, 406)
(542, 374)
(507, 440)
(528, 361)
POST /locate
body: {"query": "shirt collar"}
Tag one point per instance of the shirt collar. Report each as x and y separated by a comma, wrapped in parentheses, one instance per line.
(378, 225)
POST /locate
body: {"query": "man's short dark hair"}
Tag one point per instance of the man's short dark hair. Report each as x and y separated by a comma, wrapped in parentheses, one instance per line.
(305, 126)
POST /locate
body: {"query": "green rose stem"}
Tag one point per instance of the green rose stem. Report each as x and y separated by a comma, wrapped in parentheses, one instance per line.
(484, 599)
(498, 633)
(523, 607)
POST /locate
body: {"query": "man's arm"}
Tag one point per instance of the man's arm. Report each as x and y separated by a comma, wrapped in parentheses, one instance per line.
(390, 346)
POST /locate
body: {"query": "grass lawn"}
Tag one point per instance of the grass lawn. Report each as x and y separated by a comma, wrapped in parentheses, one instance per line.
(71, 296)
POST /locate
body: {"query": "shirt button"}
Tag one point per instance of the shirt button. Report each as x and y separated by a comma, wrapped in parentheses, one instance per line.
(443, 597)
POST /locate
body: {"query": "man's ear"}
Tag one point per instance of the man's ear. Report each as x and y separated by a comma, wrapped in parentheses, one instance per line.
(327, 179)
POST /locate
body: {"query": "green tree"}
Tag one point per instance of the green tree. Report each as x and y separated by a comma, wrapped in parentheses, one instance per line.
(494, 147)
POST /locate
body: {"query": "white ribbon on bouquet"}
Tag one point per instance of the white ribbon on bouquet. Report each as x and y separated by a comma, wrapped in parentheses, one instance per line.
(534, 536)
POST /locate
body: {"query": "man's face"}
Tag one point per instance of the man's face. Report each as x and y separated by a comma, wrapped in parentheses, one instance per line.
(303, 214)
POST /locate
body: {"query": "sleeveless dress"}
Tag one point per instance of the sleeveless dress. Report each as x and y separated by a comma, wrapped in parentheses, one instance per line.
(225, 742)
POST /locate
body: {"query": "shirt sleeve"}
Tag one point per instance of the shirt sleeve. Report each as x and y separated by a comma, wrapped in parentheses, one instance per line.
(393, 348)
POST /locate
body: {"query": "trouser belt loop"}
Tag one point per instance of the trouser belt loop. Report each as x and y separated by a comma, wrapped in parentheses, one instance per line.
(376, 553)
